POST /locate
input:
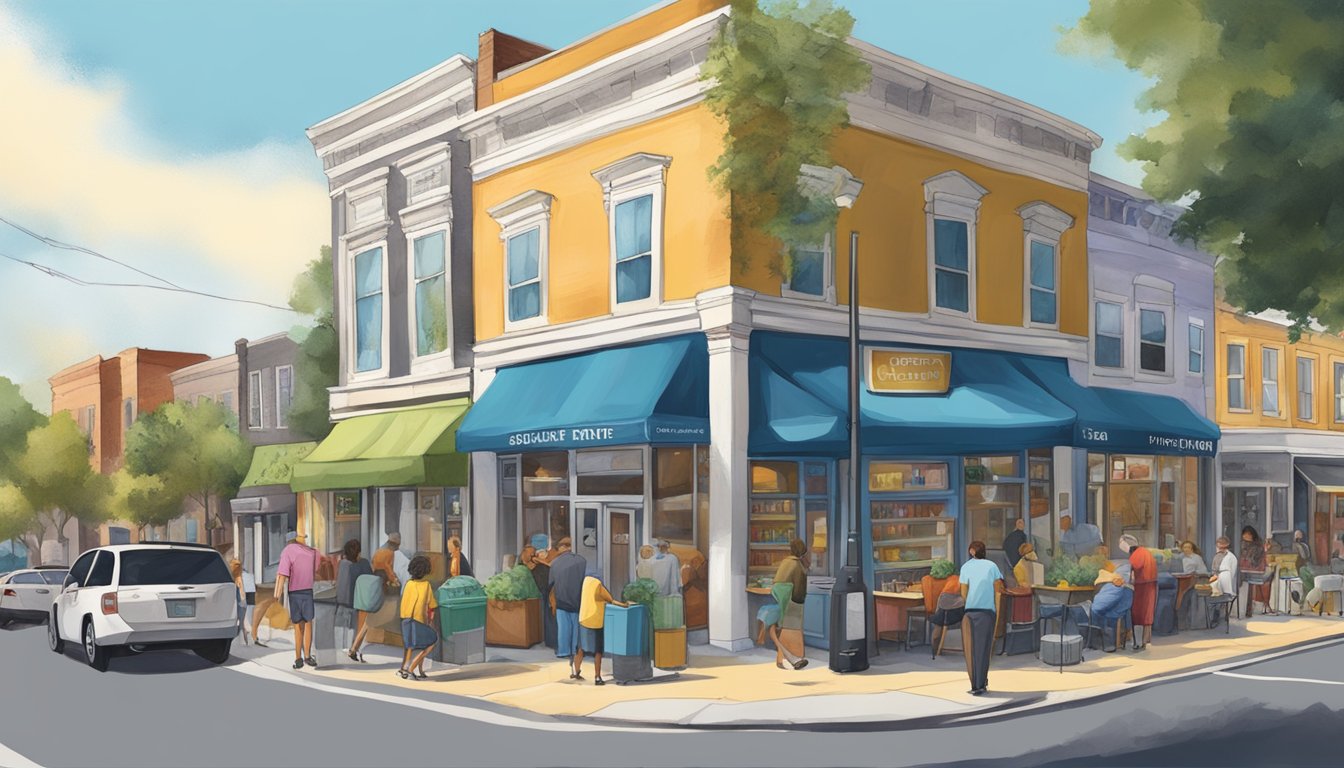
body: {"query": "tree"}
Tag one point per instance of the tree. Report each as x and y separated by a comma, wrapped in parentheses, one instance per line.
(18, 417)
(193, 450)
(780, 74)
(17, 518)
(145, 500)
(57, 481)
(316, 367)
(1253, 95)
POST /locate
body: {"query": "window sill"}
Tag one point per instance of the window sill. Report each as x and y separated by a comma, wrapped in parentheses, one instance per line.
(631, 307)
(524, 325)
(827, 297)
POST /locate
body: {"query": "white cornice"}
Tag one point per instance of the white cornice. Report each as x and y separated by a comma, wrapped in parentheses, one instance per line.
(386, 394)
(533, 202)
(458, 65)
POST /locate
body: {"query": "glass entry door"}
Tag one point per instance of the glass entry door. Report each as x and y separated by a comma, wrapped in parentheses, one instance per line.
(605, 535)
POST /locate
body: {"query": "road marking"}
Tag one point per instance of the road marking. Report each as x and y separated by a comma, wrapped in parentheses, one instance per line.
(1271, 679)
(11, 759)
(466, 713)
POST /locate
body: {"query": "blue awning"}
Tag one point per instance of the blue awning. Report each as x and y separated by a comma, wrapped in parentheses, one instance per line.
(1124, 421)
(656, 392)
(799, 405)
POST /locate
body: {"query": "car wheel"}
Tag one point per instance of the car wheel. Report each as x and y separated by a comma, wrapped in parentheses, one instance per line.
(54, 635)
(94, 653)
(215, 652)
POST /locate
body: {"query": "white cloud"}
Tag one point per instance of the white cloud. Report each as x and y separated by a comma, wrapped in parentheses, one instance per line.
(76, 157)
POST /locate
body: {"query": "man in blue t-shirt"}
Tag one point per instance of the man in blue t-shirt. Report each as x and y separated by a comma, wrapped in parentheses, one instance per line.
(980, 583)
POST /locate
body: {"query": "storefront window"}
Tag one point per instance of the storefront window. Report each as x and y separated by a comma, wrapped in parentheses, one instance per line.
(508, 502)
(911, 523)
(1278, 512)
(674, 495)
(993, 497)
(702, 498)
(1243, 507)
(887, 476)
(545, 497)
(429, 535)
(1040, 490)
(454, 519)
(610, 473)
(789, 500)
(345, 520)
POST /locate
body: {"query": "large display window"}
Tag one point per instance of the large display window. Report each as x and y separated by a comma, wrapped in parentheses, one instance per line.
(994, 486)
(546, 507)
(789, 500)
(911, 518)
(1153, 498)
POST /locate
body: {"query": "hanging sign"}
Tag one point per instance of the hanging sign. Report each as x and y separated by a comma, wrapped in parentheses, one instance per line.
(908, 371)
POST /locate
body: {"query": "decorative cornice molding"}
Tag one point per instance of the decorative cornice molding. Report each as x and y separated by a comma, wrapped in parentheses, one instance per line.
(1041, 218)
(531, 203)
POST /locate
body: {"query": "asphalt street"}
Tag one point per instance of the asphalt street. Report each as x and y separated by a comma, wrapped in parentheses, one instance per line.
(172, 709)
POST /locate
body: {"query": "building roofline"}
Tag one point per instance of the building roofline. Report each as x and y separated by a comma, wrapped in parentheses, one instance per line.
(347, 116)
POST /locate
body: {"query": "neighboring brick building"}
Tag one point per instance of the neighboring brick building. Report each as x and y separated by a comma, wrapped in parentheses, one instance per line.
(105, 396)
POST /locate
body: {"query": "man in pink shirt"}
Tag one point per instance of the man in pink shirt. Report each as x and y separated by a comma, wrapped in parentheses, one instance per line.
(297, 571)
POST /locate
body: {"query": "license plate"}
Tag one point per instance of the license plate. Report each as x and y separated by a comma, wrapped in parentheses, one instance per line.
(181, 609)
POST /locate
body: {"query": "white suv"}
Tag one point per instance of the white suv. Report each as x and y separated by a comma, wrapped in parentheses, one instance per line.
(147, 596)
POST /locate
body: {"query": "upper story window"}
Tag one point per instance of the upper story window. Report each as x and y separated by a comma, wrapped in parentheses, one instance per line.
(1306, 389)
(1195, 331)
(811, 271)
(951, 210)
(524, 224)
(429, 257)
(1156, 302)
(1236, 377)
(256, 412)
(368, 294)
(127, 414)
(1339, 393)
(226, 399)
(1269, 381)
(284, 394)
(1109, 332)
(1153, 340)
(1043, 225)
(633, 190)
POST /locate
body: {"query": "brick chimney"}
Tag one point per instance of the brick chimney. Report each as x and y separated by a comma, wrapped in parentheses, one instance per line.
(498, 52)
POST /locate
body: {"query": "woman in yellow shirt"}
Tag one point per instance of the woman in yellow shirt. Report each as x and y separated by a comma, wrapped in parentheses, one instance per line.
(592, 617)
(417, 619)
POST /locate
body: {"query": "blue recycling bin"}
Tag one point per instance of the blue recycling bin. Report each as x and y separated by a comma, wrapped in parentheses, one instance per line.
(625, 630)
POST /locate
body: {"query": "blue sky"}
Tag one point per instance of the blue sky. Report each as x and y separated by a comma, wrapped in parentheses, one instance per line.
(218, 95)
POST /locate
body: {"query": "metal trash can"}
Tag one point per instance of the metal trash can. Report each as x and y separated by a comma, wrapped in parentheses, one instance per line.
(461, 602)
(324, 627)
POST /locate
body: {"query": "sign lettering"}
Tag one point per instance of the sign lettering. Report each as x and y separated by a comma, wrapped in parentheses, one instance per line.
(908, 371)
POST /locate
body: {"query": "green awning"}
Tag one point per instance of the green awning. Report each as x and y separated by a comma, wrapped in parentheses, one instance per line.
(273, 464)
(411, 446)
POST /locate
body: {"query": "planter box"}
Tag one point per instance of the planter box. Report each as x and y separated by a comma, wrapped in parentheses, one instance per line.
(513, 623)
(669, 648)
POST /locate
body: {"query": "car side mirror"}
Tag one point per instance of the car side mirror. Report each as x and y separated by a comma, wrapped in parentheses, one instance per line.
(69, 581)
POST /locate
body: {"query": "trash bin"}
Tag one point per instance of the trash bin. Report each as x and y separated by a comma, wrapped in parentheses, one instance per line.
(461, 602)
(324, 627)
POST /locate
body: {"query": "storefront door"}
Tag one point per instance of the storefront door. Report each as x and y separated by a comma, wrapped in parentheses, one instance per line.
(605, 536)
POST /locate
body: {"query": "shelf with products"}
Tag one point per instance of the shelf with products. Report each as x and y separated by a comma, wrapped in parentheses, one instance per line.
(907, 476)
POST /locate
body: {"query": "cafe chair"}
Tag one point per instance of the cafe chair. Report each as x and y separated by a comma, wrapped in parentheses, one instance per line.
(915, 615)
(1229, 604)
(1257, 593)
(1330, 584)
(1121, 621)
(1017, 616)
(951, 609)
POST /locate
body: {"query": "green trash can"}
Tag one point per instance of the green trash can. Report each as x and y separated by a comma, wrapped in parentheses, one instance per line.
(461, 605)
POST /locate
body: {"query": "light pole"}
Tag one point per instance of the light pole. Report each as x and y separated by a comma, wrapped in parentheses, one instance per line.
(849, 596)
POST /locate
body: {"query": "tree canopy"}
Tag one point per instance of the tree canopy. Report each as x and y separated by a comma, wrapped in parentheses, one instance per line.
(1253, 98)
(56, 479)
(17, 418)
(316, 367)
(780, 70)
(145, 500)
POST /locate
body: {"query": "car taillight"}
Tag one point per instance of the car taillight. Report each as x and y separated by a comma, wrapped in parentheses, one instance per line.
(11, 593)
(110, 603)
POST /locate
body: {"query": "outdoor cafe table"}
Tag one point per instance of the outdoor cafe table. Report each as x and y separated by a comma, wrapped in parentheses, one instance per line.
(891, 611)
(1065, 598)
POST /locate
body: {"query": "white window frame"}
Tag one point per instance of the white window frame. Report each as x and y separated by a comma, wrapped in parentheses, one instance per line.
(1104, 297)
(361, 235)
(254, 389)
(1277, 413)
(1313, 361)
(827, 295)
(1167, 351)
(1245, 391)
(516, 216)
(280, 422)
(351, 324)
(412, 325)
(1196, 322)
(629, 178)
(1045, 224)
(953, 196)
(1337, 374)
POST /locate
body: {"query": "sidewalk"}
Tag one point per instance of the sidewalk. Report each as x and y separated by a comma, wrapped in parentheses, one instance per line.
(726, 689)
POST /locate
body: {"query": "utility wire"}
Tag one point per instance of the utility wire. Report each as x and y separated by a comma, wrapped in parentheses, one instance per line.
(171, 288)
(54, 243)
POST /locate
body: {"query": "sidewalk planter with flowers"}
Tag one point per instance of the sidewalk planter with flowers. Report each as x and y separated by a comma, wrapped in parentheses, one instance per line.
(513, 609)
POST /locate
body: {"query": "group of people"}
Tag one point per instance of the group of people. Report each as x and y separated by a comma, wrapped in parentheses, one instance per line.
(579, 601)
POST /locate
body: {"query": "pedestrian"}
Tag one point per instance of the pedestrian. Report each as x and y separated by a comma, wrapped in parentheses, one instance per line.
(1143, 568)
(294, 578)
(385, 561)
(417, 619)
(349, 621)
(644, 566)
(541, 575)
(981, 580)
(370, 589)
(790, 592)
(592, 619)
(1252, 560)
(458, 565)
(566, 583)
(667, 570)
(247, 594)
(1012, 543)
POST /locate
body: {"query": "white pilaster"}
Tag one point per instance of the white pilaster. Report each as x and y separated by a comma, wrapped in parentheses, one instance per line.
(484, 510)
(725, 315)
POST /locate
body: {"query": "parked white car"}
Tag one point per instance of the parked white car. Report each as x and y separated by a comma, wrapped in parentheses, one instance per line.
(26, 594)
(147, 596)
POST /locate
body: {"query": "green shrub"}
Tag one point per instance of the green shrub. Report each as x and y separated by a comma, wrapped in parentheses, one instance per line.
(1075, 572)
(640, 591)
(941, 569)
(512, 585)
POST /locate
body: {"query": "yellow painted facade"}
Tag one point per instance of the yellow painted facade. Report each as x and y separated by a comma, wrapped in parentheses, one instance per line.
(1255, 336)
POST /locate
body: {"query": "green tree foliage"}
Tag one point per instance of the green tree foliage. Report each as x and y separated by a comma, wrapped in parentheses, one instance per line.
(1253, 96)
(18, 520)
(144, 500)
(17, 418)
(193, 450)
(780, 71)
(57, 481)
(318, 360)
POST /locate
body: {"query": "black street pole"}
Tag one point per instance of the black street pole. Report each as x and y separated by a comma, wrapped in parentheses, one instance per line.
(849, 596)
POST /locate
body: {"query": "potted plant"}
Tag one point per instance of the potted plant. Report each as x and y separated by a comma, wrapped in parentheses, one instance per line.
(942, 578)
(512, 609)
(1066, 571)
